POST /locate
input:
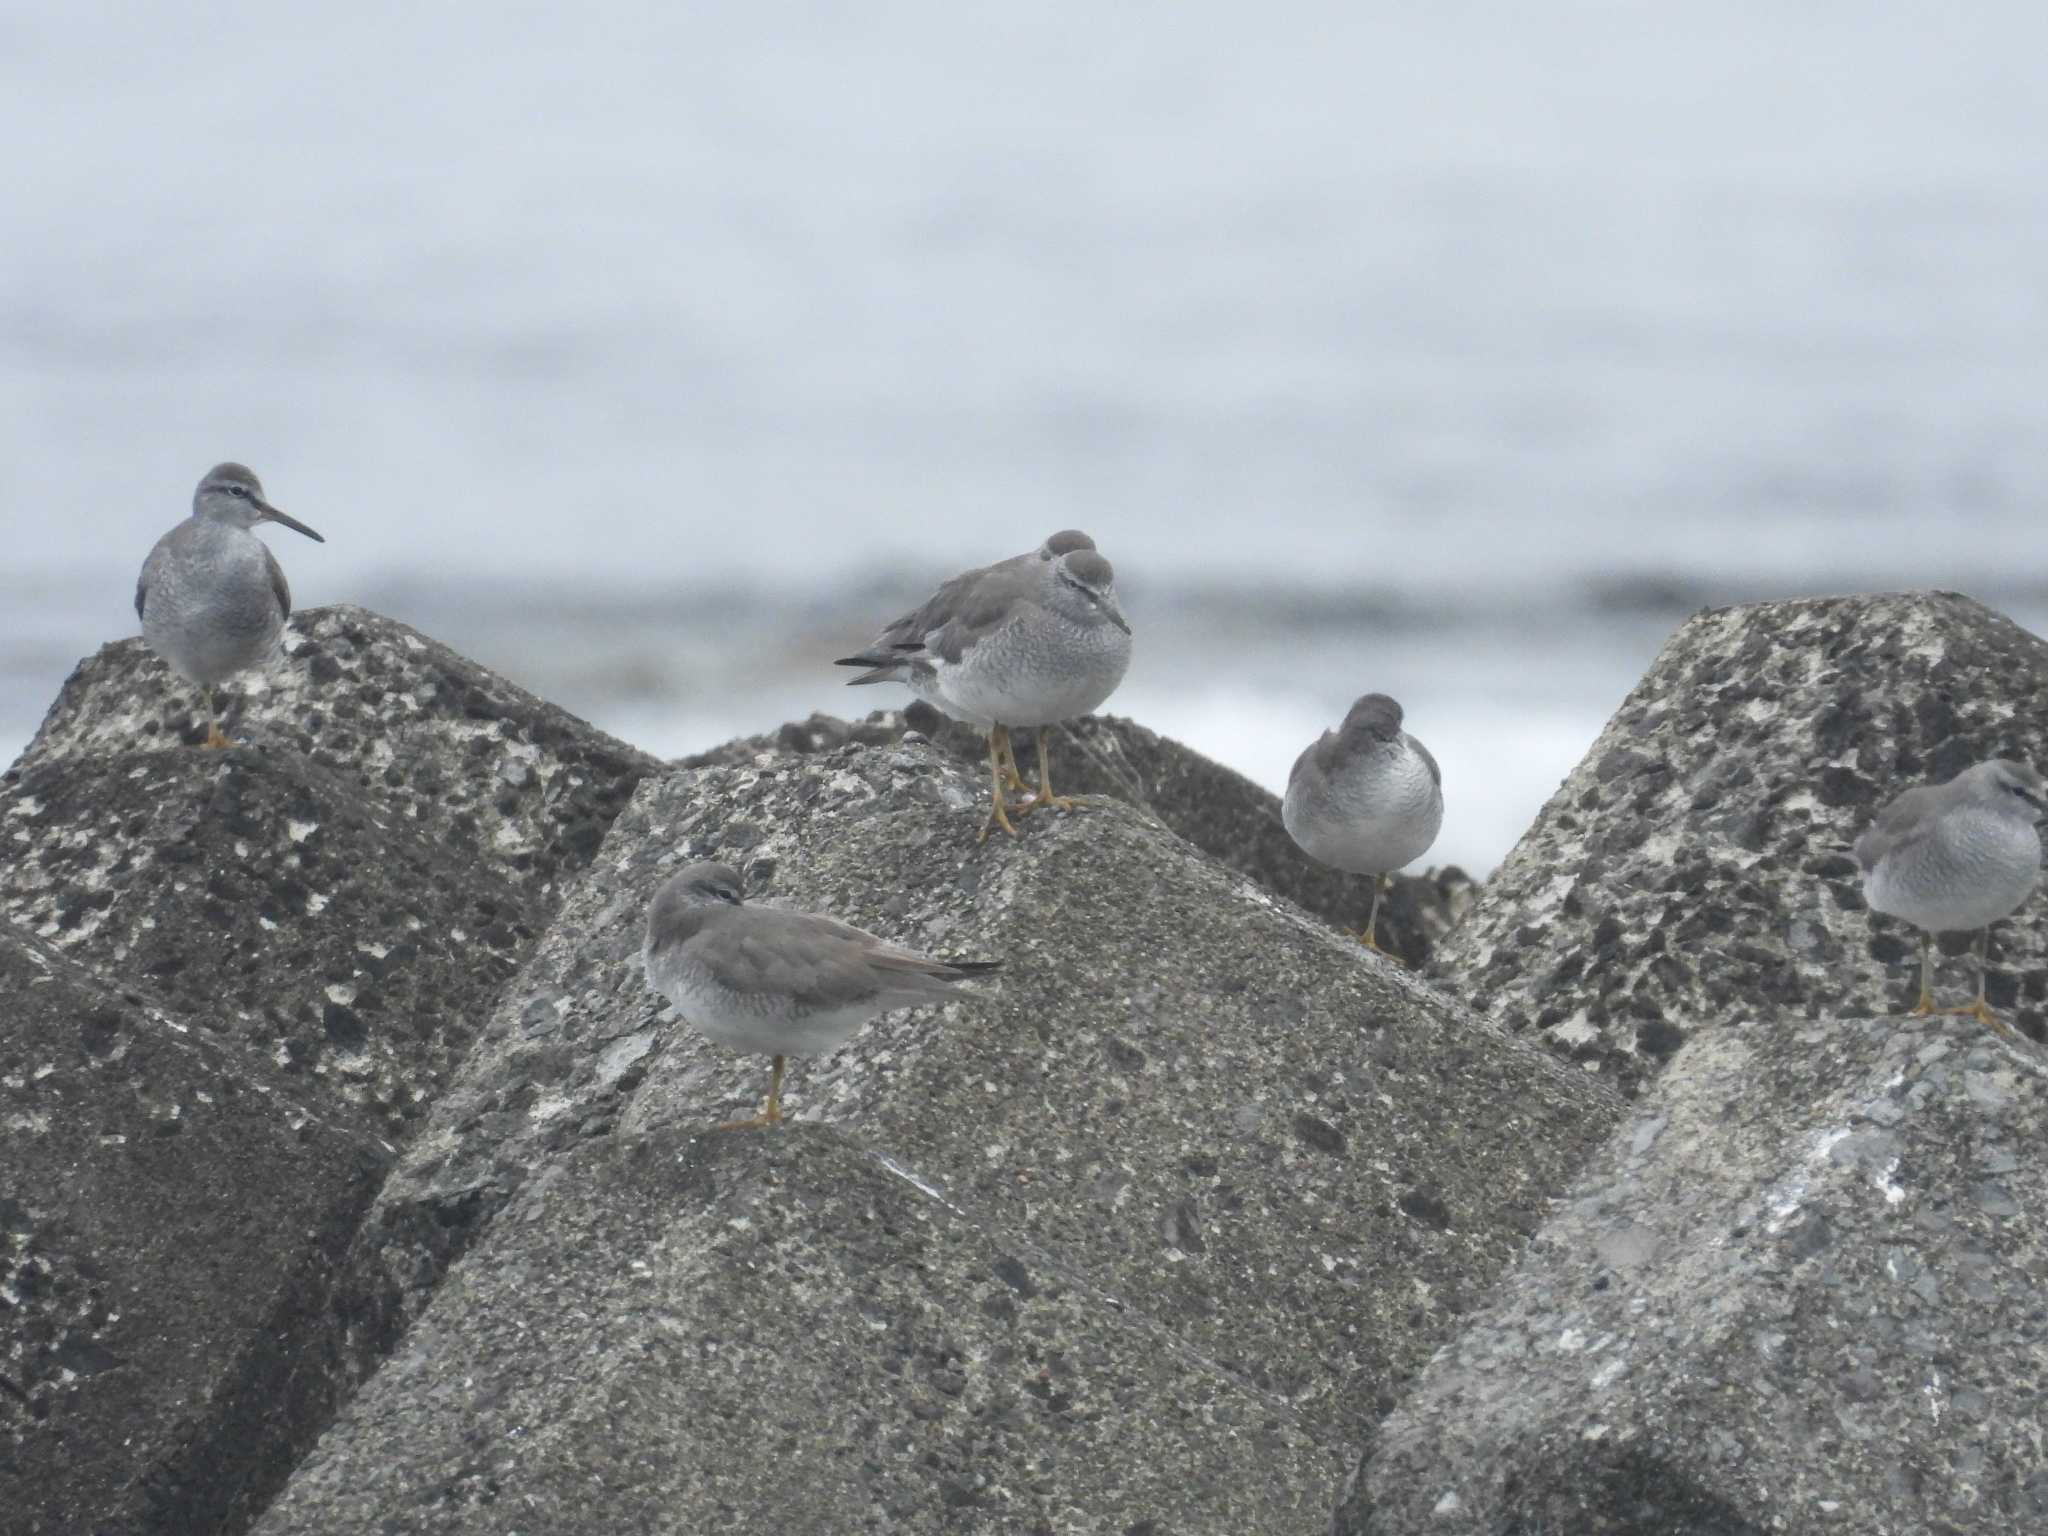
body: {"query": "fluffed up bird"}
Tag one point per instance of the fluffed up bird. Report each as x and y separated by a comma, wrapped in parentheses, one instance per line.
(1365, 798)
(1029, 641)
(212, 597)
(1955, 856)
(775, 982)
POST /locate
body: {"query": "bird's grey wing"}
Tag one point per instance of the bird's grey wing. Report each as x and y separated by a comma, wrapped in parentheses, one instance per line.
(1436, 775)
(1905, 821)
(827, 924)
(1318, 761)
(894, 959)
(934, 613)
(907, 640)
(155, 563)
(279, 587)
(967, 599)
(811, 964)
(821, 964)
(982, 609)
(1306, 764)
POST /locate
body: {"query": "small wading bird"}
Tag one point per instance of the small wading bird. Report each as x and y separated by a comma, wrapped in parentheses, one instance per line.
(1956, 856)
(1365, 798)
(212, 597)
(779, 983)
(1029, 641)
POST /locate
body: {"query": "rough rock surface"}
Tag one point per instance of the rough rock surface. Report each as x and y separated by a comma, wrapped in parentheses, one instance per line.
(682, 1333)
(265, 895)
(169, 1220)
(1296, 1160)
(1695, 867)
(1152, 1234)
(332, 908)
(1219, 810)
(483, 767)
(347, 894)
(1801, 1291)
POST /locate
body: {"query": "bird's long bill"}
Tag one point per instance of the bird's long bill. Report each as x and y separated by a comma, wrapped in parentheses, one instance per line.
(272, 515)
(1116, 616)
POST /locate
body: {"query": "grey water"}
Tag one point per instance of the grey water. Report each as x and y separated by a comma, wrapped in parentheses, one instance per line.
(654, 354)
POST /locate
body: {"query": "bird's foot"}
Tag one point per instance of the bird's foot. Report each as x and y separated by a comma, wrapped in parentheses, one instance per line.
(1041, 801)
(772, 1115)
(214, 738)
(1926, 1006)
(1366, 938)
(999, 816)
(1980, 1010)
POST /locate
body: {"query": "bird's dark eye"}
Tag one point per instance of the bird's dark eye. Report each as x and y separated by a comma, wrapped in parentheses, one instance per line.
(727, 893)
(240, 492)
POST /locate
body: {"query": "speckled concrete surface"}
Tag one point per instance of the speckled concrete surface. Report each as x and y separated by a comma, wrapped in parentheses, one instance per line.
(170, 1214)
(492, 773)
(1217, 809)
(1802, 1290)
(1195, 1204)
(330, 910)
(346, 893)
(677, 1333)
(262, 894)
(1299, 1160)
(1695, 867)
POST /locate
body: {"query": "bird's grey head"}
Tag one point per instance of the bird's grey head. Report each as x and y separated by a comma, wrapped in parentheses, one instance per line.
(1374, 717)
(232, 494)
(686, 902)
(706, 884)
(1065, 542)
(1084, 588)
(2012, 789)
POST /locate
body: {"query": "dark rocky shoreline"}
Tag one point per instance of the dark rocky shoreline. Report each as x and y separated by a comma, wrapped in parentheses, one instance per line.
(355, 1181)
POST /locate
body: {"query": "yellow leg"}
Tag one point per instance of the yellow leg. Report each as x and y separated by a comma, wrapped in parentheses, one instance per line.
(1370, 938)
(772, 1114)
(1978, 1007)
(1926, 1003)
(999, 813)
(1043, 795)
(1013, 781)
(213, 736)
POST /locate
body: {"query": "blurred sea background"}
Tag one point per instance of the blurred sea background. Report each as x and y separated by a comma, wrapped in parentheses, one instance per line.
(654, 354)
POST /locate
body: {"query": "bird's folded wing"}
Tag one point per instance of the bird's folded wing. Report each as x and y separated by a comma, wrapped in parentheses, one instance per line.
(1314, 759)
(279, 587)
(910, 633)
(1907, 820)
(814, 962)
(892, 959)
(992, 602)
(150, 567)
(1436, 775)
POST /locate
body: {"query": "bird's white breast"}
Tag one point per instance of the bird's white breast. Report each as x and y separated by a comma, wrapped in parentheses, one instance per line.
(1973, 869)
(1370, 818)
(748, 1021)
(1038, 669)
(209, 609)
